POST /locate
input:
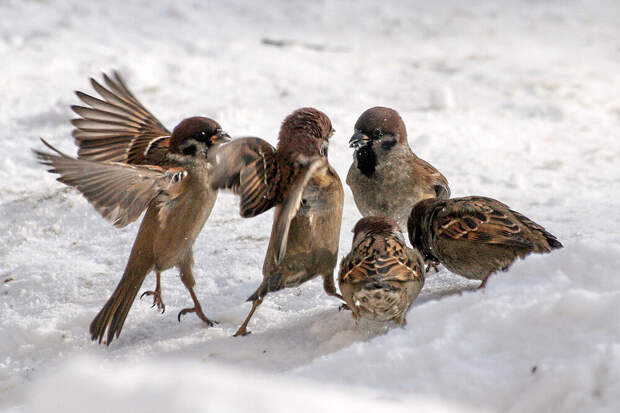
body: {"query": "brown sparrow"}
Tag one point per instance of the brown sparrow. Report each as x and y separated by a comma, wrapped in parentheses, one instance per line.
(475, 236)
(386, 177)
(297, 179)
(381, 276)
(176, 195)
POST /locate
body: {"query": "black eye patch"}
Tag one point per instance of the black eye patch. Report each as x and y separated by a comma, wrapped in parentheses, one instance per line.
(189, 150)
(387, 145)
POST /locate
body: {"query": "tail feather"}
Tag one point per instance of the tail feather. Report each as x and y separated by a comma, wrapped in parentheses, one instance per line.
(552, 240)
(113, 314)
(381, 301)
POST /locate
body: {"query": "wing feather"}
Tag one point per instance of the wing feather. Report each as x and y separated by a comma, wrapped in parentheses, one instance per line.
(479, 219)
(291, 205)
(118, 128)
(251, 169)
(119, 192)
(381, 258)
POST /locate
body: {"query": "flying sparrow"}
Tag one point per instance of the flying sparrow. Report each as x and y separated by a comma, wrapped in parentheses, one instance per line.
(381, 277)
(475, 236)
(176, 194)
(297, 179)
(386, 177)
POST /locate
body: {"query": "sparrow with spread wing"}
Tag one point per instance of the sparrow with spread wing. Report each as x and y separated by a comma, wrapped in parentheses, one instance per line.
(129, 163)
(386, 177)
(381, 277)
(298, 181)
(475, 236)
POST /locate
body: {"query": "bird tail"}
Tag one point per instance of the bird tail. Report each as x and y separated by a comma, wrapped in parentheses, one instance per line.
(113, 314)
(552, 240)
(381, 301)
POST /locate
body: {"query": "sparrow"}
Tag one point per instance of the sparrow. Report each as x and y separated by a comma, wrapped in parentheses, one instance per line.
(115, 176)
(386, 177)
(305, 190)
(381, 277)
(475, 236)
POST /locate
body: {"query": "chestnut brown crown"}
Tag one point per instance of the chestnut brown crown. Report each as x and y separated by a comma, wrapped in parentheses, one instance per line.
(375, 225)
(199, 128)
(306, 131)
(379, 121)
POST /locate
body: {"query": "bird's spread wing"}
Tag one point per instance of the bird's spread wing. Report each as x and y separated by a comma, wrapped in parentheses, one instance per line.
(386, 259)
(292, 204)
(118, 128)
(479, 219)
(249, 167)
(119, 192)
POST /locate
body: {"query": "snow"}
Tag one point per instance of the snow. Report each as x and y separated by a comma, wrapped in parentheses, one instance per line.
(514, 100)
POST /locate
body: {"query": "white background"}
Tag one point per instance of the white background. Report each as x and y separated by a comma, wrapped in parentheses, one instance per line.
(519, 101)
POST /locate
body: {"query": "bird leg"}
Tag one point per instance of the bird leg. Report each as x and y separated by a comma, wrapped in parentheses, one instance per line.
(242, 331)
(432, 264)
(330, 287)
(484, 282)
(188, 280)
(157, 301)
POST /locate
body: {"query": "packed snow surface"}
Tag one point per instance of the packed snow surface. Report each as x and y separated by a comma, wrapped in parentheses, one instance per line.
(515, 100)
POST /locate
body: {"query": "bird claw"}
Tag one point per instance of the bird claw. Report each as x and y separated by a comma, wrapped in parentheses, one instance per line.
(242, 333)
(343, 307)
(199, 313)
(433, 265)
(157, 301)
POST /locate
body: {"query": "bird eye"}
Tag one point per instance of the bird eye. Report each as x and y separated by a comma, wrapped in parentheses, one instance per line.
(377, 133)
(331, 133)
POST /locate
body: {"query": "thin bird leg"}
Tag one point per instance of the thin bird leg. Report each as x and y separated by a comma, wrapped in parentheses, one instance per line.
(188, 280)
(431, 264)
(484, 282)
(157, 301)
(242, 331)
(330, 287)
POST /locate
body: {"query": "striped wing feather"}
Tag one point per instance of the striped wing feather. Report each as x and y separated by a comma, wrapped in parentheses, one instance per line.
(380, 258)
(119, 192)
(118, 128)
(251, 169)
(481, 220)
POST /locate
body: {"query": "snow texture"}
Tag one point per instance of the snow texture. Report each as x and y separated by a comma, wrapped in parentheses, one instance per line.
(516, 100)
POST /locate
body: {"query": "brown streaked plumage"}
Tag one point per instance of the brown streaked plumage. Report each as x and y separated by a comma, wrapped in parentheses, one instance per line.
(386, 177)
(178, 199)
(475, 236)
(118, 128)
(298, 181)
(381, 277)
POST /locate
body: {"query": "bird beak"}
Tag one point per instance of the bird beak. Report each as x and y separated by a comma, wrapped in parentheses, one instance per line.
(220, 137)
(358, 140)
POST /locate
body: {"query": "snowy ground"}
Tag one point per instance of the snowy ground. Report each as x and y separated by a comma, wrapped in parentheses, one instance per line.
(514, 100)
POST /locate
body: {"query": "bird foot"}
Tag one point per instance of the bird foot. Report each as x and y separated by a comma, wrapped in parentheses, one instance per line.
(157, 301)
(199, 313)
(344, 307)
(242, 332)
(433, 265)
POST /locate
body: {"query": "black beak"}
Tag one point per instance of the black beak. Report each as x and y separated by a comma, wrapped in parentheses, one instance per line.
(358, 140)
(220, 137)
